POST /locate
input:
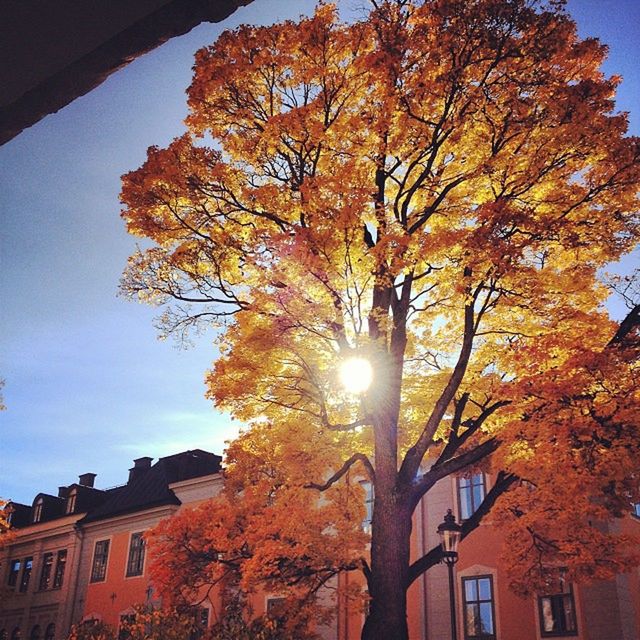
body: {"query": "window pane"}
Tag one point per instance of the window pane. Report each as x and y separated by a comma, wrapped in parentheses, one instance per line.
(478, 496)
(26, 574)
(470, 590)
(466, 505)
(368, 504)
(13, 573)
(484, 587)
(61, 563)
(486, 618)
(547, 614)
(569, 615)
(472, 619)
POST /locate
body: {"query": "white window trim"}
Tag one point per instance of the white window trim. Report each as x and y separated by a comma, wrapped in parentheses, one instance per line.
(38, 506)
(144, 560)
(488, 484)
(93, 556)
(472, 572)
(578, 613)
(71, 502)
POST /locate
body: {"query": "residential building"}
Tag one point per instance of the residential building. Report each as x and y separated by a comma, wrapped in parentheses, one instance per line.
(113, 573)
(81, 556)
(39, 577)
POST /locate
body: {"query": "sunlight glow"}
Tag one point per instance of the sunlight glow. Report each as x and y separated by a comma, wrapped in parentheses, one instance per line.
(356, 374)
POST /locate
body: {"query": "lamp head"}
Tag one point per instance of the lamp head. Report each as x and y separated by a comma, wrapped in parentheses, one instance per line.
(450, 533)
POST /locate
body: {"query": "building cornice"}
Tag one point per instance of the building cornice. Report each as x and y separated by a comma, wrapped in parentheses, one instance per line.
(125, 518)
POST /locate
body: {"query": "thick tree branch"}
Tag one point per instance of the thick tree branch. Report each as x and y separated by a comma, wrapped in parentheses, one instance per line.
(343, 469)
(454, 465)
(434, 555)
(413, 458)
(472, 426)
(627, 326)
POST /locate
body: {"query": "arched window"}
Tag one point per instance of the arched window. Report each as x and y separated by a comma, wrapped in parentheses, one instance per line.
(35, 633)
(16, 634)
(37, 510)
(50, 632)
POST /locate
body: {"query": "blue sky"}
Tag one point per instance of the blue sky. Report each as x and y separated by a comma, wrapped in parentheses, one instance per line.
(88, 385)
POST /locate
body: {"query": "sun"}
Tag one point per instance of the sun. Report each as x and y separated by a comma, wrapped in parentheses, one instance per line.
(356, 374)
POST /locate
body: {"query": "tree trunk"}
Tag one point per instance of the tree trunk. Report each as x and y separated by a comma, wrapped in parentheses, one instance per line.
(391, 530)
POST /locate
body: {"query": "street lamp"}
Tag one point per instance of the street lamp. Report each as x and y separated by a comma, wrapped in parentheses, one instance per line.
(450, 533)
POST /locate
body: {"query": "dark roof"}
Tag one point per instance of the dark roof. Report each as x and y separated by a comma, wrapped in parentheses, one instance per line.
(150, 487)
(57, 51)
(20, 514)
(52, 506)
(87, 498)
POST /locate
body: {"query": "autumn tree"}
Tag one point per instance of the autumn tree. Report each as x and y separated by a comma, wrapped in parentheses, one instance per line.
(143, 623)
(434, 188)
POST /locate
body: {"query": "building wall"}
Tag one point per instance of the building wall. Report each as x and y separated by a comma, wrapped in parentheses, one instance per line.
(108, 600)
(605, 610)
(36, 607)
(115, 596)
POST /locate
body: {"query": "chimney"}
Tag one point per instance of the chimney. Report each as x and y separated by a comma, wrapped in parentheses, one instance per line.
(62, 492)
(86, 479)
(140, 465)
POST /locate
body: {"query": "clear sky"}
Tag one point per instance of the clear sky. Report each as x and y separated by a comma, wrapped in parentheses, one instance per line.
(88, 385)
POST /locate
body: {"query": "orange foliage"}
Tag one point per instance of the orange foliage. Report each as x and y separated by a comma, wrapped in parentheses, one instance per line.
(434, 187)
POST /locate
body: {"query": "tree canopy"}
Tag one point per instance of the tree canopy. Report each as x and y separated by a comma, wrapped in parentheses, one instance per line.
(436, 188)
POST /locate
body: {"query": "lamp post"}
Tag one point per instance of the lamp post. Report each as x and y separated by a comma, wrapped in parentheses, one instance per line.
(450, 533)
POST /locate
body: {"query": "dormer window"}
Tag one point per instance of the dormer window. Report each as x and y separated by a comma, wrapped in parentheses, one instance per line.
(71, 501)
(37, 510)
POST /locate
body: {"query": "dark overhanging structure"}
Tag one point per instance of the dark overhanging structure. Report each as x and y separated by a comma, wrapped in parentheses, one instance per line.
(54, 52)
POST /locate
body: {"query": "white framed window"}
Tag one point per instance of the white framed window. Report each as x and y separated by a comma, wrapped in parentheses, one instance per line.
(45, 571)
(557, 612)
(71, 501)
(37, 510)
(471, 493)
(14, 570)
(100, 561)
(26, 574)
(61, 563)
(275, 606)
(135, 561)
(478, 608)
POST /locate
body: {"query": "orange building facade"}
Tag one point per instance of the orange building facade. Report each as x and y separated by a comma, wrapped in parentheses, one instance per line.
(105, 570)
